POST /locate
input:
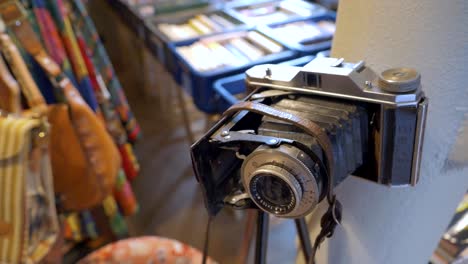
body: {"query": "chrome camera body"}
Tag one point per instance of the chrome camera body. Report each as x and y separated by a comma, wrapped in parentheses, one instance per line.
(269, 153)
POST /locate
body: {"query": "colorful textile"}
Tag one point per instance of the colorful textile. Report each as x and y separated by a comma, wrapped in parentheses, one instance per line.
(79, 60)
(57, 10)
(124, 196)
(49, 33)
(116, 220)
(88, 224)
(72, 227)
(142, 250)
(82, 226)
(84, 24)
(45, 26)
(42, 80)
(129, 161)
(108, 91)
(54, 46)
(112, 121)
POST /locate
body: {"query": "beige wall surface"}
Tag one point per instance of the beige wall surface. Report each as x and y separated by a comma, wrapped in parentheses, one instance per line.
(403, 225)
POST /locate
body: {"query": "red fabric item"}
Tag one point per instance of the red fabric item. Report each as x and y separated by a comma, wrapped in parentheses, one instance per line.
(129, 163)
(88, 63)
(126, 199)
(49, 33)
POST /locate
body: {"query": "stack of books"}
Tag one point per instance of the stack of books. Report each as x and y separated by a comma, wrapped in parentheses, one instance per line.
(306, 32)
(147, 8)
(138, 2)
(229, 50)
(271, 12)
(202, 24)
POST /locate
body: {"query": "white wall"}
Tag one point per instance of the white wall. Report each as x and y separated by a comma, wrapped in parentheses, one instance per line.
(403, 225)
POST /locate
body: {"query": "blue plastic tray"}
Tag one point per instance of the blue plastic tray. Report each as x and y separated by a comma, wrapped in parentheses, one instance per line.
(162, 7)
(303, 9)
(200, 84)
(229, 90)
(310, 49)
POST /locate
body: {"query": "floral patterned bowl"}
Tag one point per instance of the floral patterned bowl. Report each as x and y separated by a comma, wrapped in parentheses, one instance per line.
(146, 250)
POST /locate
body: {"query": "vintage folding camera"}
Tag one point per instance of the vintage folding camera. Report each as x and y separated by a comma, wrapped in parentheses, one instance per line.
(303, 130)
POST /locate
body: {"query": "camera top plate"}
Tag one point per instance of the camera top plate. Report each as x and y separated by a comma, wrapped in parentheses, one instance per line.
(336, 78)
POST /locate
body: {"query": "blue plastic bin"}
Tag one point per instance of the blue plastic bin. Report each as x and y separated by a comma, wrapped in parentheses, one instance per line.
(230, 90)
(285, 10)
(325, 53)
(136, 21)
(303, 49)
(158, 42)
(200, 84)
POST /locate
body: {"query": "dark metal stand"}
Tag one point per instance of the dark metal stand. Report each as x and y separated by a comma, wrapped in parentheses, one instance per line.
(261, 242)
(304, 237)
(248, 236)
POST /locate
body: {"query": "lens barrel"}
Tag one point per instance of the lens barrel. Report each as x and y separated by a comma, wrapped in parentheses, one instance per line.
(276, 190)
(282, 180)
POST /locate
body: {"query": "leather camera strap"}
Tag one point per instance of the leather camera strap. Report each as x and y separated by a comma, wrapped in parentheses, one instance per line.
(307, 125)
(333, 215)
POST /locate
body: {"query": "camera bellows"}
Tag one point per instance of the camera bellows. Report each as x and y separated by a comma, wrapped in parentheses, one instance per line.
(345, 124)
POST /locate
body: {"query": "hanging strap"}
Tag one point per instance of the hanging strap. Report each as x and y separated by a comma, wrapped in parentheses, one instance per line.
(14, 16)
(332, 217)
(10, 99)
(13, 12)
(328, 223)
(20, 70)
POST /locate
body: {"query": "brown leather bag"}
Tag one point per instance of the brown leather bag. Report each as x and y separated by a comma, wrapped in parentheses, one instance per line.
(85, 160)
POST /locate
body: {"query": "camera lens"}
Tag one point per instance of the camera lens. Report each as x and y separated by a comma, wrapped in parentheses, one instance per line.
(273, 193)
(281, 180)
(273, 189)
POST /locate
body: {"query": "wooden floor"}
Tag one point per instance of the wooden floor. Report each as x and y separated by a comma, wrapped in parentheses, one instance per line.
(171, 204)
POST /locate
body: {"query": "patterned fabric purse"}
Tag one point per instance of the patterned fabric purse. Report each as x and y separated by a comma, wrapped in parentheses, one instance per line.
(28, 220)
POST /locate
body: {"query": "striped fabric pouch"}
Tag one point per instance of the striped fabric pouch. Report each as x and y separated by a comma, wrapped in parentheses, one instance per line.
(28, 220)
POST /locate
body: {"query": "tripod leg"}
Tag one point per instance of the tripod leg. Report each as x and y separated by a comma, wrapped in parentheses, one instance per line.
(304, 237)
(248, 237)
(261, 242)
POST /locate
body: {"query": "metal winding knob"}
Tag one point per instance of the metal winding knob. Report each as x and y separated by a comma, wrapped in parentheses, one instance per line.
(399, 80)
